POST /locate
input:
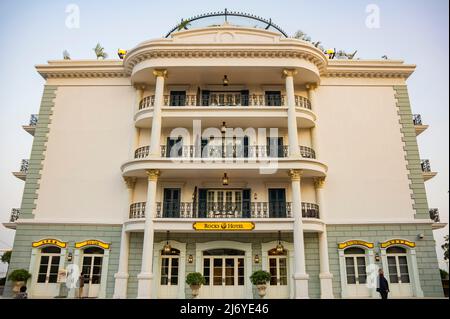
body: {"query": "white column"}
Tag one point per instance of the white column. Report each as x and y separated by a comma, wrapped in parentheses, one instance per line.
(326, 278)
(121, 277)
(418, 292)
(140, 88)
(155, 138)
(314, 131)
(145, 278)
(294, 149)
(300, 276)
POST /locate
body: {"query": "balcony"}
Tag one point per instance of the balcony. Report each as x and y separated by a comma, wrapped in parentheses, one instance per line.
(22, 174)
(254, 151)
(434, 215)
(234, 108)
(11, 224)
(226, 210)
(426, 170)
(31, 127)
(418, 125)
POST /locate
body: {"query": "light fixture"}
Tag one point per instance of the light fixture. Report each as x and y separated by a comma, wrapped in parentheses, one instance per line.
(255, 196)
(223, 129)
(377, 257)
(280, 247)
(225, 80)
(225, 179)
(421, 236)
(190, 259)
(167, 248)
(69, 257)
(256, 259)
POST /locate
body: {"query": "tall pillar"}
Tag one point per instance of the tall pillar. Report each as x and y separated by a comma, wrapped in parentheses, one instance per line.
(311, 88)
(140, 89)
(155, 138)
(300, 276)
(121, 277)
(326, 278)
(294, 149)
(145, 278)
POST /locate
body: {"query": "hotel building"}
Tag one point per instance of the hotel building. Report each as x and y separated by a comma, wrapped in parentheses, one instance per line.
(139, 174)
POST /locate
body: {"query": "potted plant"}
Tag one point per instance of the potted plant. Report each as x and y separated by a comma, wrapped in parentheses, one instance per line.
(195, 280)
(260, 278)
(19, 277)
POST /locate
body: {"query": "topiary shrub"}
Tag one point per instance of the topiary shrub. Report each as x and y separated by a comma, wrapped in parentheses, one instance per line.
(260, 277)
(19, 275)
(195, 279)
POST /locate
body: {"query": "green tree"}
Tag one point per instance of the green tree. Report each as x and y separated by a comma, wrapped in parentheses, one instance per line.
(445, 247)
(6, 257)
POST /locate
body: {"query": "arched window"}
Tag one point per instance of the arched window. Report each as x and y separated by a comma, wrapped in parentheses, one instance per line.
(278, 267)
(355, 265)
(49, 264)
(398, 265)
(92, 265)
(170, 263)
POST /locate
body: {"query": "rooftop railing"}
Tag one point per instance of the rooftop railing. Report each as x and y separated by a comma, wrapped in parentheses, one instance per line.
(15, 213)
(426, 166)
(434, 215)
(417, 119)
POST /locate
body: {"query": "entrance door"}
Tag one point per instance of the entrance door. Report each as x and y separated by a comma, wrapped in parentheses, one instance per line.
(399, 280)
(275, 147)
(171, 204)
(169, 280)
(277, 203)
(92, 271)
(224, 273)
(355, 266)
(278, 269)
(47, 278)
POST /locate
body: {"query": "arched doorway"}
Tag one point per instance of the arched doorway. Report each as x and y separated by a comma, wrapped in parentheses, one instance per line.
(398, 272)
(224, 272)
(279, 278)
(169, 274)
(355, 272)
(46, 284)
(92, 264)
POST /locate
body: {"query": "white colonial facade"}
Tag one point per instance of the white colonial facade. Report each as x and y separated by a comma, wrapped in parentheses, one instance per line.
(139, 173)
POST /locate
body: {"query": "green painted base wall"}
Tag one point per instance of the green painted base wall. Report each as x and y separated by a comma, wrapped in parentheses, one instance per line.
(311, 251)
(430, 279)
(26, 234)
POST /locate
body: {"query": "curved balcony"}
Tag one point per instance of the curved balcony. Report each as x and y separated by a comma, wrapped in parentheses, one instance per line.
(254, 210)
(427, 172)
(233, 108)
(22, 173)
(239, 162)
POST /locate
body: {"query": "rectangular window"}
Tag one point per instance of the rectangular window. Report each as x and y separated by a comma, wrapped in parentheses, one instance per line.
(404, 273)
(362, 277)
(241, 278)
(273, 271)
(350, 267)
(177, 98)
(206, 271)
(164, 271)
(392, 265)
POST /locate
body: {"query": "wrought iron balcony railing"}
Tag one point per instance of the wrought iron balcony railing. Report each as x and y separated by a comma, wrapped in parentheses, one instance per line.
(224, 210)
(426, 166)
(227, 151)
(24, 165)
(434, 215)
(33, 120)
(15, 212)
(225, 99)
(417, 119)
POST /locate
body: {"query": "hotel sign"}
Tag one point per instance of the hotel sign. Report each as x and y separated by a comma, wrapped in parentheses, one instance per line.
(392, 242)
(92, 242)
(351, 243)
(49, 241)
(224, 226)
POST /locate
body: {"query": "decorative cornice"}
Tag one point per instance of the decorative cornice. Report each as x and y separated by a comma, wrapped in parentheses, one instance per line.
(82, 69)
(311, 86)
(289, 72)
(319, 182)
(160, 73)
(130, 182)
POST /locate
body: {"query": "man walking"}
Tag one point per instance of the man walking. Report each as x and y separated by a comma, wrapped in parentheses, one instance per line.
(383, 285)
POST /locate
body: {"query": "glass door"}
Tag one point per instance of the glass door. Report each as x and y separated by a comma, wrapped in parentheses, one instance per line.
(278, 269)
(277, 203)
(399, 279)
(171, 203)
(47, 278)
(92, 271)
(224, 203)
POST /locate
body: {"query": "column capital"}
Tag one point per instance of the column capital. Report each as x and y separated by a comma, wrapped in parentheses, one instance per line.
(153, 174)
(289, 72)
(130, 181)
(319, 182)
(160, 73)
(311, 86)
(295, 174)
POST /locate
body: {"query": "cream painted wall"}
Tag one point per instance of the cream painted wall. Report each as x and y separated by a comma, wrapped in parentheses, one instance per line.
(258, 186)
(360, 142)
(90, 137)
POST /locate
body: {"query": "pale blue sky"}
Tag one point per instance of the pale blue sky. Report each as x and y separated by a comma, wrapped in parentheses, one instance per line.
(32, 32)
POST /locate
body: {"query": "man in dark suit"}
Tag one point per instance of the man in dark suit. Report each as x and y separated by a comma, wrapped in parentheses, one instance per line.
(383, 285)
